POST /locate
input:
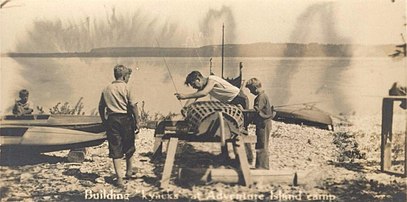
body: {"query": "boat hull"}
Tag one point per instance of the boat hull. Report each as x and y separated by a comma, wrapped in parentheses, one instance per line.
(304, 115)
(46, 139)
(92, 124)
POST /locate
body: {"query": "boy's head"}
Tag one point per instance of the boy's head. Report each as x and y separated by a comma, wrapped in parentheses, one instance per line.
(253, 85)
(23, 94)
(122, 72)
(195, 80)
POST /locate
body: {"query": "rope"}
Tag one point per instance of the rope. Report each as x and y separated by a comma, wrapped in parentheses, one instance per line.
(169, 72)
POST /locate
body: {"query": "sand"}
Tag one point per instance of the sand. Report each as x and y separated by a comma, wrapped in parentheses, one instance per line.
(340, 165)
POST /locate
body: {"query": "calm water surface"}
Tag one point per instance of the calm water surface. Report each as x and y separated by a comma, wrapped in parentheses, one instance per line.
(334, 84)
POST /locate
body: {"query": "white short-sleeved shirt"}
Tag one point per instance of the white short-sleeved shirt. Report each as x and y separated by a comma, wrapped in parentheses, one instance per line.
(223, 90)
(118, 97)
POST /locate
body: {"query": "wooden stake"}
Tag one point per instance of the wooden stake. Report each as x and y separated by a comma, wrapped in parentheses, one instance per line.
(169, 162)
(244, 164)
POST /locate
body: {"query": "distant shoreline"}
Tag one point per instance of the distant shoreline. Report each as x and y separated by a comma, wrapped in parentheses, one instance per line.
(230, 50)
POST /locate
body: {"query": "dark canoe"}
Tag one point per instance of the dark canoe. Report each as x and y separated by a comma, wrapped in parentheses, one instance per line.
(304, 115)
(46, 139)
(92, 124)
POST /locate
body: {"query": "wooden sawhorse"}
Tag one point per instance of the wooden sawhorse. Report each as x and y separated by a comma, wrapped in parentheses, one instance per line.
(174, 137)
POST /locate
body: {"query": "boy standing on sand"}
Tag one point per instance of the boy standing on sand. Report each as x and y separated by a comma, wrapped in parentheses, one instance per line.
(122, 121)
(23, 106)
(262, 120)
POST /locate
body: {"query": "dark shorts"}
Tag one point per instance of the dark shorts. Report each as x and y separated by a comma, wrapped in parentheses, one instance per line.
(120, 135)
(241, 99)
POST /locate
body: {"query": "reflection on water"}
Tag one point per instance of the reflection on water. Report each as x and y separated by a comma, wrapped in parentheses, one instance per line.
(360, 82)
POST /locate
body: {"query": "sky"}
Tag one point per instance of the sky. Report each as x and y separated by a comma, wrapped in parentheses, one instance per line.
(198, 23)
(81, 25)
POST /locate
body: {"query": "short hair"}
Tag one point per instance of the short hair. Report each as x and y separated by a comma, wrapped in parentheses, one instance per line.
(253, 82)
(24, 93)
(192, 77)
(121, 70)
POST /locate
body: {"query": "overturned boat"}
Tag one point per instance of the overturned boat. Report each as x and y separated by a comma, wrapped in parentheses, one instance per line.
(46, 139)
(304, 115)
(297, 114)
(46, 133)
(92, 124)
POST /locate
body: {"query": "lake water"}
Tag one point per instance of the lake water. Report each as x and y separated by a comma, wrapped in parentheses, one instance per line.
(335, 85)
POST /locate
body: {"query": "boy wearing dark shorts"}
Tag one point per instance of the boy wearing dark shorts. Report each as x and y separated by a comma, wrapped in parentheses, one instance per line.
(120, 105)
(262, 119)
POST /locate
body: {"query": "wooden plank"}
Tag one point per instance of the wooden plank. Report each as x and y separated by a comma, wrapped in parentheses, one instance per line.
(395, 98)
(222, 134)
(222, 129)
(230, 151)
(387, 156)
(169, 162)
(258, 176)
(204, 138)
(244, 164)
(231, 176)
(195, 176)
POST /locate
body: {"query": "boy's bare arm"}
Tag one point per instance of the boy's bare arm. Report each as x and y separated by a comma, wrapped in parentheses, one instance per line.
(134, 111)
(190, 101)
(198, 94)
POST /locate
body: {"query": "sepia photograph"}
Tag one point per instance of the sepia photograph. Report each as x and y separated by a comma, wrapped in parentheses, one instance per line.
(203, 100)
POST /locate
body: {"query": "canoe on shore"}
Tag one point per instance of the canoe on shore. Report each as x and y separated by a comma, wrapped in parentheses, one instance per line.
(92, 124)
(46, 139)
(45, 133)
(304, 115)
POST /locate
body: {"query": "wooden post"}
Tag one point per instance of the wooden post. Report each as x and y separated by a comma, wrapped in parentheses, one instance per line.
(244, 164)
(223, 147)
(386, 136)
(223, 45)
(169, 162)
(405, 151)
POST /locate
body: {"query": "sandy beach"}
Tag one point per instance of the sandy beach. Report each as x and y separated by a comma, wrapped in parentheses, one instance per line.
(334, 57)
(340, 165)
